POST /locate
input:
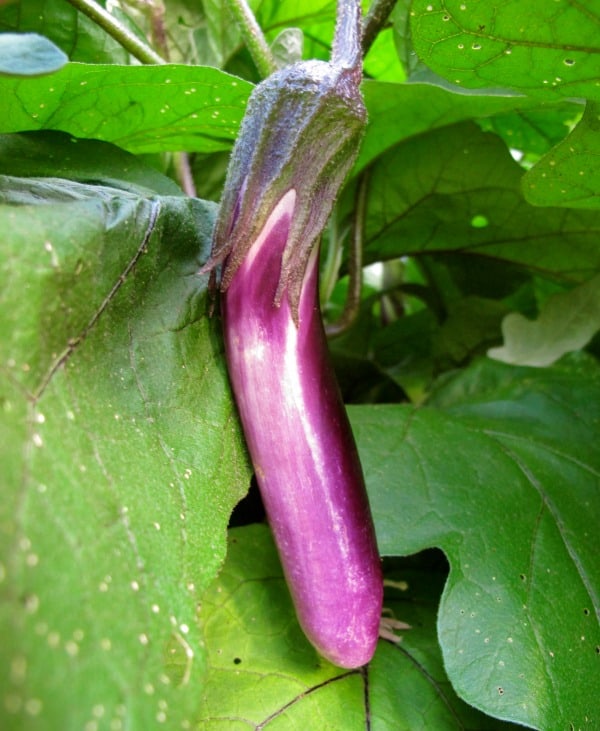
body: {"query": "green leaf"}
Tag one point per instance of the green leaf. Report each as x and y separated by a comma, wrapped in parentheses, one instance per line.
(70, 30)
(119, 446)
(567, 322)
(399, 111)
(503, 477)
(139, 108)
(471, 325)
(532, 132)
(262, 671)
(408, 686)
(223, 35)
(457, 190)
(29, 54)
(316, 18)
(50, 154)
(541, 49)
(569, 175)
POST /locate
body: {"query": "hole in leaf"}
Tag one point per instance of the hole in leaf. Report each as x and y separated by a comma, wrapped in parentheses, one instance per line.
(237, 660)
(250, 508)
(586, 611)
(479, 221)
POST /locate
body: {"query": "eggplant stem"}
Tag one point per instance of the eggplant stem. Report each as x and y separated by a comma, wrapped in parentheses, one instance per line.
(346, 50)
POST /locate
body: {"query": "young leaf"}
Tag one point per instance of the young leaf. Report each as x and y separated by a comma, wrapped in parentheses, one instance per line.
(567, 322)
(67, 28)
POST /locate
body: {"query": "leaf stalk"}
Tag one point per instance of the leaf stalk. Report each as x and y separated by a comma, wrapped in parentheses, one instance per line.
(130, 42)
(255, 41)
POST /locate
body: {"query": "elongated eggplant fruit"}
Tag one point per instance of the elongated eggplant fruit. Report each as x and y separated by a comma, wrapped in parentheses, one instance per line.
(303, 450)
(298, 140)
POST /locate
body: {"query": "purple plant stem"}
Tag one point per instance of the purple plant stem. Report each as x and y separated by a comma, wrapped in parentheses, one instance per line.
(302, 449)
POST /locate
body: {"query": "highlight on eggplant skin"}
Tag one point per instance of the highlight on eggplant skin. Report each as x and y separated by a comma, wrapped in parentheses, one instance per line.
(298, 140)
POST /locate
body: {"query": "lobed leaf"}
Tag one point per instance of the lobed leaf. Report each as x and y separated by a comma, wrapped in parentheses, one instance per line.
(400, 111)
(503, 476)
(531, 133)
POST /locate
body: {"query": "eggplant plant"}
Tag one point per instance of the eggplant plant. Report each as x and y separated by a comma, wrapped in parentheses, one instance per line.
(299, 138)
(470, 371)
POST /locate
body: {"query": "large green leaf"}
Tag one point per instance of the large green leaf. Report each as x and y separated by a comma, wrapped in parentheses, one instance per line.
(140, 108)
(503, 475)
(399, 111)
(457, 190)
(262, 672)
(537, 47)
(121, 457)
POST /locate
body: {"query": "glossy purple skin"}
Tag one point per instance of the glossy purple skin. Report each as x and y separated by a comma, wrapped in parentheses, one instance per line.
(303, 450)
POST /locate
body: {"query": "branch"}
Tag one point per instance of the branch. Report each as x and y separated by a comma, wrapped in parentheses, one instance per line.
(374, 21)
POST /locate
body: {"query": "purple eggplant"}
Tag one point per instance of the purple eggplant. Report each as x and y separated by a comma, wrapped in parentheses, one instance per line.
(298, 140)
